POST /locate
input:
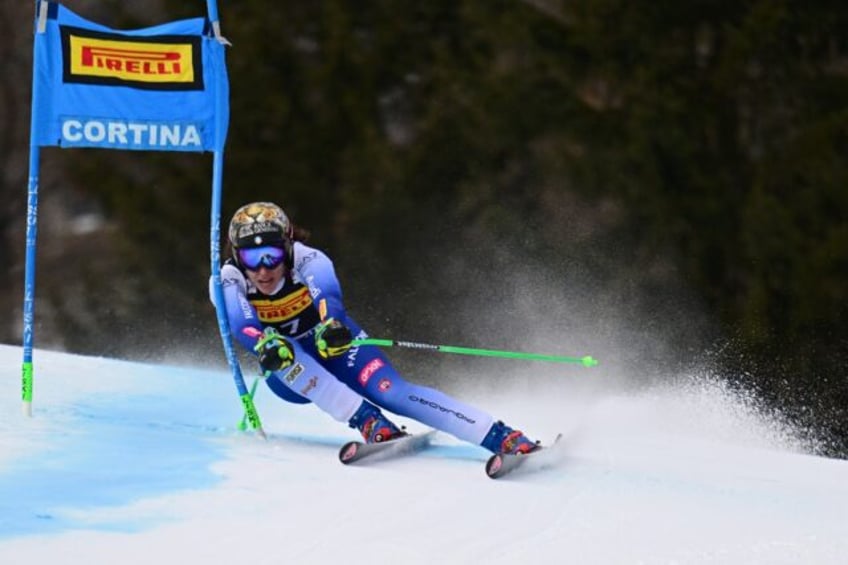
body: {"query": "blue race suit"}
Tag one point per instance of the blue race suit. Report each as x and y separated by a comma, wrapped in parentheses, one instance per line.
(293, 311)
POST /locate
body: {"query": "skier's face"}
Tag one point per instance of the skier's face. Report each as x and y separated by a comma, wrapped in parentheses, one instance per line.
(264, 265)
(265, 279)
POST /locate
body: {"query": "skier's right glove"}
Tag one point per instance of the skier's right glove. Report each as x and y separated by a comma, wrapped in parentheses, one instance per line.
(274, 351)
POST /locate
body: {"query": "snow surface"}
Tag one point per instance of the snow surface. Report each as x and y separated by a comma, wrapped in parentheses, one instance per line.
(139, 463)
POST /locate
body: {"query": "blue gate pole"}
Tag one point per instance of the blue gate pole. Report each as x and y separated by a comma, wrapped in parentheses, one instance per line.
(215, 239)
(31, 222)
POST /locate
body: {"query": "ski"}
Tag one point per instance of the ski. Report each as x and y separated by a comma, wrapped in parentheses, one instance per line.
(354, 451)
(501, 464)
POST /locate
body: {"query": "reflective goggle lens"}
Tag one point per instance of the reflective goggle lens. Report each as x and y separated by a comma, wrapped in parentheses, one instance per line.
(255, 257)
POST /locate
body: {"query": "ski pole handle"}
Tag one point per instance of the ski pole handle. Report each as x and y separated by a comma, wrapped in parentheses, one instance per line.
(586, 361)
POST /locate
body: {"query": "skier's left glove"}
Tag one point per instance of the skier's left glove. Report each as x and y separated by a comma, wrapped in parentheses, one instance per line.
(274, 351)
(332, 338)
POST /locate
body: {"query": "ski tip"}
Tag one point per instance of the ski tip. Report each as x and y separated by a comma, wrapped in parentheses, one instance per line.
(354, 451)
(347, 454)
(494, 466)
(501, 464)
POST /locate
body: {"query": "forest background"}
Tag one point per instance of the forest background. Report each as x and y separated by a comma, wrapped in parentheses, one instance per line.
(659, 184)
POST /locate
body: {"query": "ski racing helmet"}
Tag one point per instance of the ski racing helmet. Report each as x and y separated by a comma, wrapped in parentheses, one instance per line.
(261, 224)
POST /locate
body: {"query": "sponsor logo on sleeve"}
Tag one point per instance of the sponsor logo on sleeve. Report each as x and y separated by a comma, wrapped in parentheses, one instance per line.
(306, 259)
(310, 385)
(293, 373)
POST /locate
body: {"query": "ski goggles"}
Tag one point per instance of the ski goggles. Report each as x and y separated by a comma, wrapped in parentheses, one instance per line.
(253, 258)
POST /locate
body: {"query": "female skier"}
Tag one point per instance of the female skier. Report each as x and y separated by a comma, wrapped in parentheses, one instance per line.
(284, 303)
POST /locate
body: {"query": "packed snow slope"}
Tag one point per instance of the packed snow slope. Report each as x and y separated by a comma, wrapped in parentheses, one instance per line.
(144, 464)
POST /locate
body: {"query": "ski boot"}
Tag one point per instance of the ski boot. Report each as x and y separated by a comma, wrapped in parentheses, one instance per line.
(373, 425)
(503, 439)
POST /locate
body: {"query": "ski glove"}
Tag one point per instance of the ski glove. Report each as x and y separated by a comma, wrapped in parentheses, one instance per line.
(332, 338)
(274, 351)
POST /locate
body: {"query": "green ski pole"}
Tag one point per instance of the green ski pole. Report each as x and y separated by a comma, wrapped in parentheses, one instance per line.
(586, 361)
(243, 424)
